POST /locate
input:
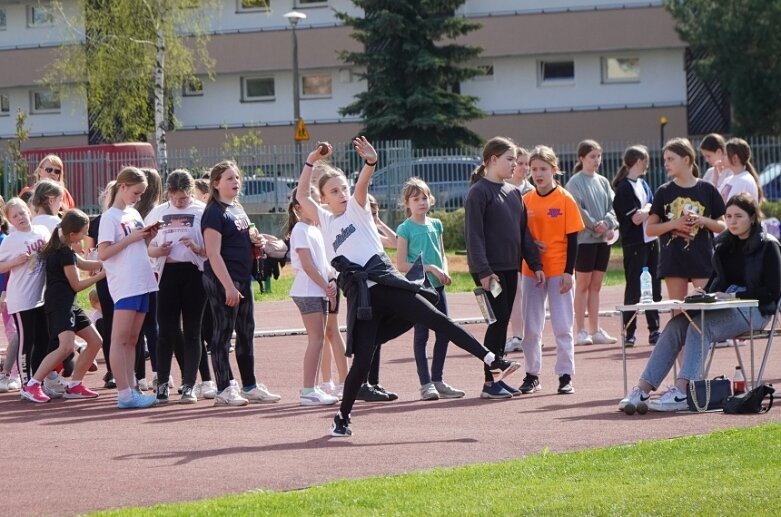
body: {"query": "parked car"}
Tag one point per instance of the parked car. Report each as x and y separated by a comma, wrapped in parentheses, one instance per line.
(770, 179)
(446, 176)
(266, 194)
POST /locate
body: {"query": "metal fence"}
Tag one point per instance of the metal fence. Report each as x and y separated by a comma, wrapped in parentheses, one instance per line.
(272, 170)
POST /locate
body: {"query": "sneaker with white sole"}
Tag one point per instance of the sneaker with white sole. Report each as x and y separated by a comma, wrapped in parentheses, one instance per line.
(316, 397)
(340, 427)
(8, 383)
(583, 338)
(514, 344)
(188, 395)
(634, 397)
(531, 383)
(447, 391)
(34, 393)
(79, 391)
(500, 369)
(600, 337)
(137, 400)
(671, 400)
(205, 390)
(230, 397)
(55, 388)
(143, 385)
(260, 395)
(429, 392)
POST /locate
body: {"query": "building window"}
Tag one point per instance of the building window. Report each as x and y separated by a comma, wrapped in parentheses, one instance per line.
(552, 72)
(193, 87)
(244, 6)
(2, 20)
(257, 89)
(5, 105)
(44, 101)
(40, 15)
(311, 3)
(620, 69)
(316, 85)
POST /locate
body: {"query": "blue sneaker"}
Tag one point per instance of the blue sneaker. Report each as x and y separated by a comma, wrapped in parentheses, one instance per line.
(512, 391)
(495, 391)
(138, 401)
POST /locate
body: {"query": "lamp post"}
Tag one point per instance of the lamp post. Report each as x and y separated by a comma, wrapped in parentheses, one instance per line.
(662, 123)
(293, 17)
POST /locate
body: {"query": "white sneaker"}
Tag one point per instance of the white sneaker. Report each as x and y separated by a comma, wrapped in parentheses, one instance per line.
(600, 337)
(5, 380)
(671, 400)
(261, 395)
(206, 390)
(230, 397)
(514, 344)
(143, 385)
(55, 388)
(446, 391)
(316, 397)
(429, 392)
(583, 338)
(327, 387)
(634, 397)
(15, 384)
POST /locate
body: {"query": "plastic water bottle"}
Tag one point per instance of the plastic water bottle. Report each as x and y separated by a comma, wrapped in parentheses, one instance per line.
(738, 381)
(485, 306)
(646, 291)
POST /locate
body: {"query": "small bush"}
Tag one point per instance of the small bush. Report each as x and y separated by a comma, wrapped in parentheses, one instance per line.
(453, 224)
(772, 209)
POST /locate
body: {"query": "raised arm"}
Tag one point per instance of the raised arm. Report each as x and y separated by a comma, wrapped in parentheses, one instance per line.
(369, 157)
(303, 196)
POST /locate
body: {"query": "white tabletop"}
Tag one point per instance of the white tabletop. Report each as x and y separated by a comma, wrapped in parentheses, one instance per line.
(735, 303)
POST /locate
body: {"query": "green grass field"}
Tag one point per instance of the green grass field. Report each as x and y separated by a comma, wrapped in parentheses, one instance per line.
(726, 472)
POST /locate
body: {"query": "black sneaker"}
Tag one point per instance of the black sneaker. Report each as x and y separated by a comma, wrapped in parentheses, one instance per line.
(653, 337)
(188, 397)
(565, 385)
(500, 368)
(531, 383)
(509, 389)
(368, 393)
(341, 426)
(162, 393)
(391, 395)
(108, 381)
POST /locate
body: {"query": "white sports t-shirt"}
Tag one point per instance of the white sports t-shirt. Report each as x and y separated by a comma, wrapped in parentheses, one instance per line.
(129, 272)
(352, 235)
(49, 221)
(26, 281)
(739, 183)
(177, 224)
(309, 237)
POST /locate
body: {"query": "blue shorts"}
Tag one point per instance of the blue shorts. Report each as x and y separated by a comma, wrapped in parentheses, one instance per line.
(138, 303)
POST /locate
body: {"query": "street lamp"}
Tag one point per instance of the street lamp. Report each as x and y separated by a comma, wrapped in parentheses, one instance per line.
(662, 123)
(293, 17)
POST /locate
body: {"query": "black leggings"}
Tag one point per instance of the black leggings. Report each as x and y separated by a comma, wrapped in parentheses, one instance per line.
(393, 303)
(636, 257)
(224, 320)
(180, 303)
(107, 310)
(33, 334)
(148, 336)
(496, 334)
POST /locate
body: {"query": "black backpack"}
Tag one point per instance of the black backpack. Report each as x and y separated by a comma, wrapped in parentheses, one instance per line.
(750, 401)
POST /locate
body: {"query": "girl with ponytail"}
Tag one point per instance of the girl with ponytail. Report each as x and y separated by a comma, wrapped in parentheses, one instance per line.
(744, 176)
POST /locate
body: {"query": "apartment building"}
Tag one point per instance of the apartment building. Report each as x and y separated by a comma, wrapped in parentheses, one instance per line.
(556, 71)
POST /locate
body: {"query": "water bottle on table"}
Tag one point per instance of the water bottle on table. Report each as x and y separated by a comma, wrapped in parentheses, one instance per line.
(646, 290)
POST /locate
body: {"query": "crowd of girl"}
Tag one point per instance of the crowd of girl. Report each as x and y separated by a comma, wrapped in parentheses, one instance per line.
(181, 270)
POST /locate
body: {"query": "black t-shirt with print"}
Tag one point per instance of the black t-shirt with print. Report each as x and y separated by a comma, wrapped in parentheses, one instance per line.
(680, 257)
(233, 224)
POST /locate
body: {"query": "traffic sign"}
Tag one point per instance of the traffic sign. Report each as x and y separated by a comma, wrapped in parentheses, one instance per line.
(302, 133)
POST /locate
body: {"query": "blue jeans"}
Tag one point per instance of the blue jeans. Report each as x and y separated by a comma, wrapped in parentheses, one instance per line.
(440, 346)
(679, 334)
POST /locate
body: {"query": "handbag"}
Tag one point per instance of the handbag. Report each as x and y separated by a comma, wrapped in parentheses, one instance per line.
(750, 401)
(709, 394)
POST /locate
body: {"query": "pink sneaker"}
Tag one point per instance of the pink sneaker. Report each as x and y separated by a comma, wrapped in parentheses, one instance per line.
(79, 391)
(34, 393)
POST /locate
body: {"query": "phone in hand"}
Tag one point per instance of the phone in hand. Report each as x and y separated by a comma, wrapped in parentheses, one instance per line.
(153, 226)
(495, 288)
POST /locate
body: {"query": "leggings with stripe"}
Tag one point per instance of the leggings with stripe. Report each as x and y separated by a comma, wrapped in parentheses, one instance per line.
(224, 320)
(33, 333)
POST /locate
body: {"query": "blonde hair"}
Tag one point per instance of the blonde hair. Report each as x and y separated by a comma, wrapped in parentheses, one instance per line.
(55, 160)
(15, 202)
(216, 173)
(326, 172)
(415, 186)
(128, 176)
(545, 154)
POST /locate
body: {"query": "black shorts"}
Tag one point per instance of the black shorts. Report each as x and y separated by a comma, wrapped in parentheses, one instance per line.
(592, 257)
(73, 319)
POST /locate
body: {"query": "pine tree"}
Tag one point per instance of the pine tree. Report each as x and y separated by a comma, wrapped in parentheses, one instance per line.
(741, 42)
(413, 68)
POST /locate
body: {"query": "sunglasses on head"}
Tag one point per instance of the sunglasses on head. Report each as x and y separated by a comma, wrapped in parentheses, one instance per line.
(52, 170)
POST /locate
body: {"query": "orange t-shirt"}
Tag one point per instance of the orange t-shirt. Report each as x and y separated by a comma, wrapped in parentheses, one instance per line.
(550, 219)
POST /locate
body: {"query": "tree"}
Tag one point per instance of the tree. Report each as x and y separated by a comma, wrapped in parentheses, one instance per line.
(741, 43)
(18, 166)
(134, 54)
(413, 70)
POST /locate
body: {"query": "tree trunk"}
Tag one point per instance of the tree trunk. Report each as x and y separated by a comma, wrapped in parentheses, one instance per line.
(162, 149)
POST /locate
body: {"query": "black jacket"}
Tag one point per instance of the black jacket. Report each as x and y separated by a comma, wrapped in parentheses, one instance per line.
(762, 259)
(380, 269)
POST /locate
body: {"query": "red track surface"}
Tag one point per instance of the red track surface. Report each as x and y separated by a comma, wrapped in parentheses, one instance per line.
(80, 456)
